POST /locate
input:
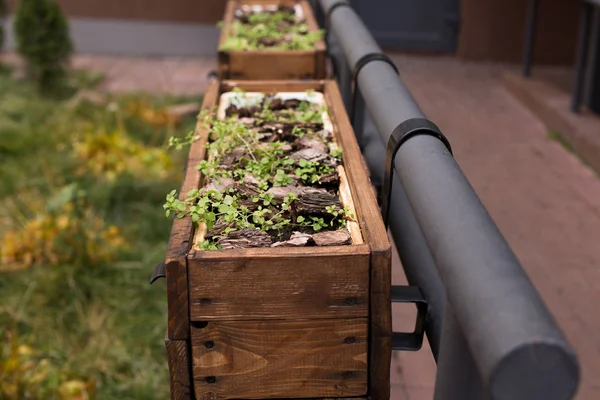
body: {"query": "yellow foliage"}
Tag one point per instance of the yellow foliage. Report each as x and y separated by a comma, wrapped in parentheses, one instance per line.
(52, 238)
(110, 154)
(142, 109)
(28, 374)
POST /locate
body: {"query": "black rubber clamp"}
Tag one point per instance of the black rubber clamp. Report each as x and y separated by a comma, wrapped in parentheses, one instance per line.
(406, 130)
(160, 271)
(330, 11)
(360, 64)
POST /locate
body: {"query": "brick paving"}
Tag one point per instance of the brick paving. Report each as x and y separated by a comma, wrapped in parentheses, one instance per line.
(545, 201)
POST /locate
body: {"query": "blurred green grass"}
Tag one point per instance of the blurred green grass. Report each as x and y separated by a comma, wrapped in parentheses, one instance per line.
(100, 322)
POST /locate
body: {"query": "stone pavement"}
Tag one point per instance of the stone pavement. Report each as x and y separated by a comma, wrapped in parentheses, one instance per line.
(545, 201)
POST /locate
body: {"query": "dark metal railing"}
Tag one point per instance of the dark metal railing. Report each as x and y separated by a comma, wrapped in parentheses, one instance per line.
(490, 333)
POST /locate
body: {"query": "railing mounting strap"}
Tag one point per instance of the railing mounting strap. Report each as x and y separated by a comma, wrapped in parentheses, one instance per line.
(330, 11)
(159, 272)
(406, 130)
(360, 64)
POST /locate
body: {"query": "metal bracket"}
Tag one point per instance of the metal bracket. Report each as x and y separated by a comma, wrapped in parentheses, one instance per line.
(360, 64)
(159, 272)
(212, 75)
(410, 341)
(406, 130)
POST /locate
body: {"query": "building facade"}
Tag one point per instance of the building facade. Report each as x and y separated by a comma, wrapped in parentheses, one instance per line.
(491, 30)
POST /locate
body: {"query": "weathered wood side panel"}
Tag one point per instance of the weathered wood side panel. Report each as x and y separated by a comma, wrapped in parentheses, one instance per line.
(375, 234)
(280, 359)
(280, 283)
(180, 239)
(178, 357)
(271, 64)
(272, 86)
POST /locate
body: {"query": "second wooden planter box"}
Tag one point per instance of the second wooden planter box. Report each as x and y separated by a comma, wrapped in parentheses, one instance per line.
(282, 322)
(266, 63)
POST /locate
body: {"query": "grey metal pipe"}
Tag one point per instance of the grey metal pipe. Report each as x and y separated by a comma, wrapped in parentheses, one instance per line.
(412, 248)
(517, 346)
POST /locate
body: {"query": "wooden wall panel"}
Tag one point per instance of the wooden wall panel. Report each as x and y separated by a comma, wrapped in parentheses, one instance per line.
(494, 30)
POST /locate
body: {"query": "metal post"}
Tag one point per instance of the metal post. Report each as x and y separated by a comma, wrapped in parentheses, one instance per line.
(457, 376)
(360, 117)
(414, 253)
(582, 50)
(532, 15)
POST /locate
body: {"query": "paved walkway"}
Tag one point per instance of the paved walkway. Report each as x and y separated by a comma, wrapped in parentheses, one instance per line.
(545, 201)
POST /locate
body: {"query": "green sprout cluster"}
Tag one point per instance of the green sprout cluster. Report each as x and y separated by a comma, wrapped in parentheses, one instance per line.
(280, 30)
(269, 166)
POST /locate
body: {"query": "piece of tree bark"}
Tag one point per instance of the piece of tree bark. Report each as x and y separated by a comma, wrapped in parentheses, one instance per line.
(249, 186)
(297, 239)
(330, 179)
(332, 238)
(308, 142)
(220, 184)
(245, 238)
(218, 228)
(314, 201)
(314, 155)
(234, 155)
(280, 192)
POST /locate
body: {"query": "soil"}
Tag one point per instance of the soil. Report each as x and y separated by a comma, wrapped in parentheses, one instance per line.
(299, 137)
(270, 29)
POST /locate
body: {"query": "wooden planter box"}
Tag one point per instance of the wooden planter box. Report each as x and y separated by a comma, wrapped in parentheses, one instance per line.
(282, 323)
(271, 64)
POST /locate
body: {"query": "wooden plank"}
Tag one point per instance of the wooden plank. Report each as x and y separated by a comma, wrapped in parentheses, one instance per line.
(320, 71)
(376, 236)
(280, 359)
(178, 357)
(245, 284)
(180, 239)
(271, 86)
(271, 64)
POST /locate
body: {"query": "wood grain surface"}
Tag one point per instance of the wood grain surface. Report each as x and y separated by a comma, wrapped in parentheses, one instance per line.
(178, 357)
(242, 284)
(280, 359)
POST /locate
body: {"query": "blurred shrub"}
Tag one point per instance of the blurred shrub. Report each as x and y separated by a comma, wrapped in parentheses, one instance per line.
(42, 35)
(68, 231)
(109, 155)
(28, 374)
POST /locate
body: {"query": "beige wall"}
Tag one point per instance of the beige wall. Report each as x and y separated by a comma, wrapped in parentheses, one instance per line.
(494, 30)
(207, 11)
